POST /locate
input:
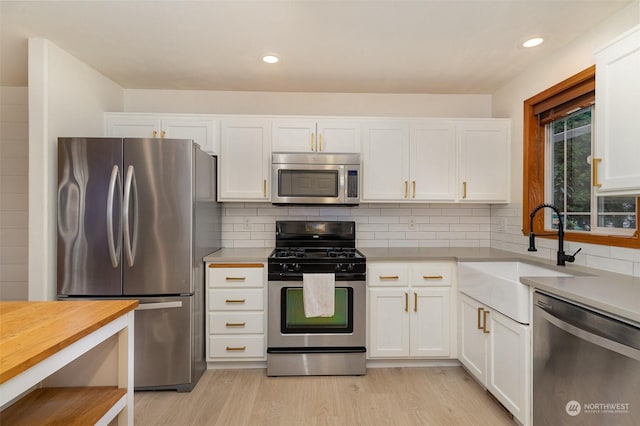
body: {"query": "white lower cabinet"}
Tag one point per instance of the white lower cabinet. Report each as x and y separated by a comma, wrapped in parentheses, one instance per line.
(496, 350)
(410, 312)
(236, 312)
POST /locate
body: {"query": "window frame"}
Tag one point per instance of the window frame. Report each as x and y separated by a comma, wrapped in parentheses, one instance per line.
(534, 161)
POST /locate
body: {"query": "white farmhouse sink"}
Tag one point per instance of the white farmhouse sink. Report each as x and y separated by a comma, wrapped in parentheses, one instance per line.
(497, 284)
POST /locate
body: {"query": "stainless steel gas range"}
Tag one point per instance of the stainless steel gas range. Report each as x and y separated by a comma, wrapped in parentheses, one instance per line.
(324, 345)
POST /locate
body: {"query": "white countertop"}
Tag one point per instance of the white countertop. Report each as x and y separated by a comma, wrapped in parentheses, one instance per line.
(612, 293)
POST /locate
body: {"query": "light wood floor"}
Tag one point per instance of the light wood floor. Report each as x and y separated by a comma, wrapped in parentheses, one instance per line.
(384, 396)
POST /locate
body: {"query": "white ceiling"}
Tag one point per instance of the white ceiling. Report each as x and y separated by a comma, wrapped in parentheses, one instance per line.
(325, 46)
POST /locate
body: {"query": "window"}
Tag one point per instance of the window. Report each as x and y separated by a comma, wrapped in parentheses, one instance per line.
(558, 142)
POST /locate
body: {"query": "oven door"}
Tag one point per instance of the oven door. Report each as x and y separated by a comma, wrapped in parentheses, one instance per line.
(308, 184)
(289, 328)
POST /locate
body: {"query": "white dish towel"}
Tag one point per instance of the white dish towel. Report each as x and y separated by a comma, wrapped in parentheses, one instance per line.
(318, 295)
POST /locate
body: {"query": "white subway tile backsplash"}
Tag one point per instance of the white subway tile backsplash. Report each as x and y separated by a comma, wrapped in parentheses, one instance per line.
(445, 219)
(609, 264)
(403, 243)
(384, 219)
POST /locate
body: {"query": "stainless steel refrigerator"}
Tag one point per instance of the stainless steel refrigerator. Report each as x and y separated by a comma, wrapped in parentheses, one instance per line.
(135, 218)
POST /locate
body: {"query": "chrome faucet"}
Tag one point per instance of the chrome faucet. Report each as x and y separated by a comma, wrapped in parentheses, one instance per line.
(562, 257)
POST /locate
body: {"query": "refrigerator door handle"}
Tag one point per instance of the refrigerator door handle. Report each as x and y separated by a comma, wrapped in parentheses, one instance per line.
(159, 305)
(130, 242)
(114, 251)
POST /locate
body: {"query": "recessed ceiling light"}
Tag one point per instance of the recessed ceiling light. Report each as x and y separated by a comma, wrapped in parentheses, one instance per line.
(532, 42)
(270, 59)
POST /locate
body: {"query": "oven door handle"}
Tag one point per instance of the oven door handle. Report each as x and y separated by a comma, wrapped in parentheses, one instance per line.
(588, 336)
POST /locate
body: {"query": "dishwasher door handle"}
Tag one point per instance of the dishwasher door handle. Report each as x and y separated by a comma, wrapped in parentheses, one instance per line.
(590, 337)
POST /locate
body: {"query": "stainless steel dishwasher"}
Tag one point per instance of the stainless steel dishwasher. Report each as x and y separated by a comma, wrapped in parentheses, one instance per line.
(586, 366)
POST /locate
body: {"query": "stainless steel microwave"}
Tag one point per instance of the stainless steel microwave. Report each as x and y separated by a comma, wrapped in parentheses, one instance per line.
(316, 178)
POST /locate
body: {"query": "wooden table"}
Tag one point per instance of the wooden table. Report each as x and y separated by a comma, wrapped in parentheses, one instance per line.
(59, 344)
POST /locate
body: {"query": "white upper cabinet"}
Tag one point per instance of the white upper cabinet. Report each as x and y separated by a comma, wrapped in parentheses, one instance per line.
(203, 129)
(617, 115)
(385, 161)
(483, 174)
(309, 135)
(245, 160)
(432, 161)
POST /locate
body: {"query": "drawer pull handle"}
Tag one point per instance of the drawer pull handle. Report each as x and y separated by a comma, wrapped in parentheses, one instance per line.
(236, 324)
(236, 348)
(235, 278)
(406, 302)
(235, 300)
(432, 277)
(415, 302)
(389, 277)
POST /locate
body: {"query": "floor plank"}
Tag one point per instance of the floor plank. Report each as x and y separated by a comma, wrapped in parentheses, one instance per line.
(384, 396)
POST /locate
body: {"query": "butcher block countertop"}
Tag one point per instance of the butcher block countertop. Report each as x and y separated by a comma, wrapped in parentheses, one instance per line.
(39, 338)
(33, 331)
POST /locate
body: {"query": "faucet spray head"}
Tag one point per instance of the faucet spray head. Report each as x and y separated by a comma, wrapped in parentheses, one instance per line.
(532, 242)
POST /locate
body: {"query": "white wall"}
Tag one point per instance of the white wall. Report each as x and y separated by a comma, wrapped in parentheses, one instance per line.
(508, 102)
(279, 103)
(66, 98)
(14, 168)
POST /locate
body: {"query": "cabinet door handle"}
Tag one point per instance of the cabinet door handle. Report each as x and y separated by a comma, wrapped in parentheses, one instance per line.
(594, 164)
(464, 190)
(406, 302)
(163, 134)
(415, 302)
(313, 137)
(236, 348)
(414, 189)
(388, 277)
(235, 301)
(235, 278)
(155, 133)
(320, 142)
(432, 277)
(236, 324)
(406, 188)
(264, 188)
(479, 315)
(484, 325)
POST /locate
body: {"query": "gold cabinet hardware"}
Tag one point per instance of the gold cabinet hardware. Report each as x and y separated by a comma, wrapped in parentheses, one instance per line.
(464, 190)
(236, 324)
(236, 348)
(594, 164)
(414, 189)
(320, 142)
(432, 277)
(235, 301)
(406, 302)
(155, 133)
(415, 302)
(264, 188)
(479, 315)
(389, 277)
(163, 134)
(484, 325)
(313, 138)
(406, 188)
(235, 278)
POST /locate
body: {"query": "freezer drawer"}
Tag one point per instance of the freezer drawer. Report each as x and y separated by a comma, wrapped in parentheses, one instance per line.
(163, 346)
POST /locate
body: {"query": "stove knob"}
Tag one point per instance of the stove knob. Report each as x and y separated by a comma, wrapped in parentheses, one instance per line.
(350, 267)
(338, 267)
(284, 267)
(297, 267)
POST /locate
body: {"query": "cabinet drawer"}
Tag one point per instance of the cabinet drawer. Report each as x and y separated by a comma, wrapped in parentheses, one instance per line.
(236, 322)
(431, 274)
(236, 347)
(229, 299)
(232, 275)
(388, 275)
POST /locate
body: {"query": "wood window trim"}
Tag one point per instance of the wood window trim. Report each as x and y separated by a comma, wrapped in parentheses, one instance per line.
(533, 184)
